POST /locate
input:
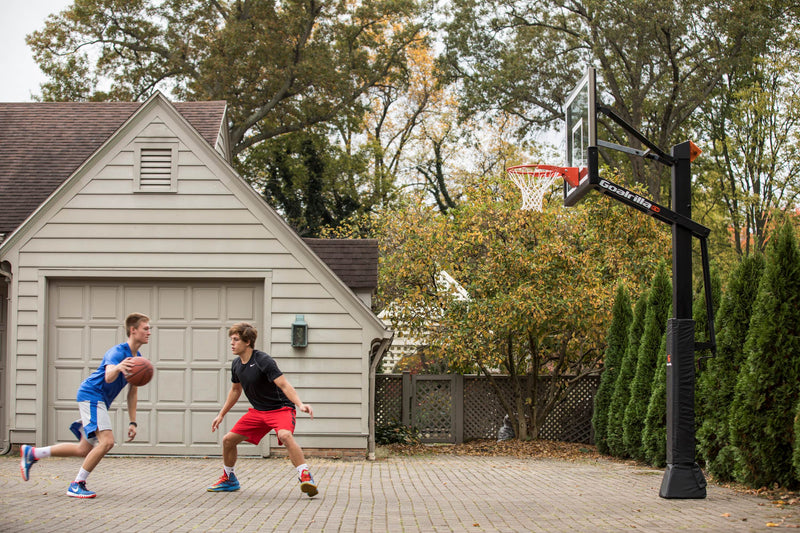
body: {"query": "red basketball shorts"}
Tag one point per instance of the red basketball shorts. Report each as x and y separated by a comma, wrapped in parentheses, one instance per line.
(254, 424)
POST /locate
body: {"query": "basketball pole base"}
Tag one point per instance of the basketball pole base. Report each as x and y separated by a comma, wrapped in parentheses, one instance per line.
(685, 481)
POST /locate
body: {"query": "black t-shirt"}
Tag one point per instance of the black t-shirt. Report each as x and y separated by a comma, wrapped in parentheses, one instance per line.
(258, 377)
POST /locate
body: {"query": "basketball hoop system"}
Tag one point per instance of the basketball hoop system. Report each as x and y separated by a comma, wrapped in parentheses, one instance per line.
(535, 180)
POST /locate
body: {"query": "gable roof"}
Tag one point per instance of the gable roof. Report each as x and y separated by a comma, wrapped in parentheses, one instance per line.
(355, 261)
(43, 143)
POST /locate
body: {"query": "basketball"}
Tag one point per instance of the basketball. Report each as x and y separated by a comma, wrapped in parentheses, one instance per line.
(141, 372)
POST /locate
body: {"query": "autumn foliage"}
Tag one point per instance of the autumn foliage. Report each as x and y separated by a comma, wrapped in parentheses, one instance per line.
(541, 287)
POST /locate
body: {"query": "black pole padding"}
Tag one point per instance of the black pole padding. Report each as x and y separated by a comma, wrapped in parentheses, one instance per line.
(683, 477)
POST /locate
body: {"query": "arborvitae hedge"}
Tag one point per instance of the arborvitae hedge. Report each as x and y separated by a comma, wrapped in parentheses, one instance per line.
(659, 300)
(762, 415)
(654, 437)
(700, 313)
(622, 385)
(716, 382)
(616, 343)
(796, 459)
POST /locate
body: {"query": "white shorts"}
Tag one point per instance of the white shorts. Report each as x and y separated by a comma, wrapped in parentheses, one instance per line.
(94, 417)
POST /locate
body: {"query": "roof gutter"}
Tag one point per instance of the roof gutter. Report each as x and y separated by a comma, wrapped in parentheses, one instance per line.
(377, 351)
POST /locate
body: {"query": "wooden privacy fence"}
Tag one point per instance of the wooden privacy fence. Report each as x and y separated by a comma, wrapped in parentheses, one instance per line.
(454, 408)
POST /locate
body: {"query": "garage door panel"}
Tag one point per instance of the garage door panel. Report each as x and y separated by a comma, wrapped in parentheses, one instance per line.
(170, 343)
(171, 386)
(70, 303)
(201, 428)
(171, 427)
(101, 339)
(206, 386)
(104, 303)
(206, 304)
(242, 305)
(71, 344)
(207, 344)
(64, 418)
(172, 303)
(189, 348)
(67, 382)
(138, 300)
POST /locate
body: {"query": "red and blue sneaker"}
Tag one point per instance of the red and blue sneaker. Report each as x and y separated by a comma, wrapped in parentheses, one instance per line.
(307, 484)
(26, 461)
(77, 489)
(226, 483)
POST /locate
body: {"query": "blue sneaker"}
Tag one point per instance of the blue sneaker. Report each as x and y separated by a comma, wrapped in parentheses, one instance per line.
(226, 483)
(307, 484)
(26, 461)
(77, 489)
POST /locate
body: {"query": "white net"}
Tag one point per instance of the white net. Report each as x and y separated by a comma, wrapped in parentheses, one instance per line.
(534, 182)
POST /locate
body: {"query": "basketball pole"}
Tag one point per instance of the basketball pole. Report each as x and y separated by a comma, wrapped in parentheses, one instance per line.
(683, 477)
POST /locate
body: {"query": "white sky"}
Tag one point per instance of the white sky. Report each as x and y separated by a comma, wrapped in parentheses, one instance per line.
(20, 75)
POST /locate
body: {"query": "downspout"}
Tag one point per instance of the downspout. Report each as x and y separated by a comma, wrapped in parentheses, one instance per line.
(377, 351)
(5, 271)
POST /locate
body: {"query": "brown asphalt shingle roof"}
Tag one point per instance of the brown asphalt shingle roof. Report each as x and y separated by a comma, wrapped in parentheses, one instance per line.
(43, 143)
(355, 261)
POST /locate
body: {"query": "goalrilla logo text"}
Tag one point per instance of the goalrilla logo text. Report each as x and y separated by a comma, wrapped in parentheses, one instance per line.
(633, 197)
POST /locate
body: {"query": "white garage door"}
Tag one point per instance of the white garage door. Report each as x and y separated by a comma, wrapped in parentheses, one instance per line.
(189, 348)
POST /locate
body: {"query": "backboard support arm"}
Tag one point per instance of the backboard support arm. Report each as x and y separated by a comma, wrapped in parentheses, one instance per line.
(653, 152)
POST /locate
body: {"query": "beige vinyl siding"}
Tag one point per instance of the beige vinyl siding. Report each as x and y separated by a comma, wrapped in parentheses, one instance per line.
(210, 228)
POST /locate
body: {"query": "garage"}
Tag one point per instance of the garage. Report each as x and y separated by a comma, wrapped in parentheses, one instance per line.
(189, 348)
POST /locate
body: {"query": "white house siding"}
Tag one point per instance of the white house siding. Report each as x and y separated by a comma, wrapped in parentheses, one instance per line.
(214, 228)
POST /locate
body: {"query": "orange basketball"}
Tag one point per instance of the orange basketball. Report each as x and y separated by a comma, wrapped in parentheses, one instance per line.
(141, 372)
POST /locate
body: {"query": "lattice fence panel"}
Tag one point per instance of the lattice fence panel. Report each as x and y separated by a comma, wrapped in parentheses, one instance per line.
(388, 399)
(483, 412)
(433, 408)
(570, 421)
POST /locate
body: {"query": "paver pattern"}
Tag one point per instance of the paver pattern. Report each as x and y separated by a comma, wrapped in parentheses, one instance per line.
(399, 494)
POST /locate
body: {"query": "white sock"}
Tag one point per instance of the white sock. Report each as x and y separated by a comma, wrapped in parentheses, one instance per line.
(300, 469)
(41, 453)
(228, 470)
(83, 475)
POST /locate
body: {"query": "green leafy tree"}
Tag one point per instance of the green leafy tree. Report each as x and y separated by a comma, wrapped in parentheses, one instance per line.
(654, 435)
(281, 66)
(752, 124)
(536, 285)
(762, 415)
(715, 385)
(616, 343)
(622, 385)
(655, 68)
(308, 180)
(659, 300)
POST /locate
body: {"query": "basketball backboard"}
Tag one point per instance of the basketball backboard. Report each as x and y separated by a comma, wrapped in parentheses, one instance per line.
(580, 110)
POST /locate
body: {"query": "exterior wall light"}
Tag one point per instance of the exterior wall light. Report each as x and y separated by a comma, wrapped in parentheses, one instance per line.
(299, 332)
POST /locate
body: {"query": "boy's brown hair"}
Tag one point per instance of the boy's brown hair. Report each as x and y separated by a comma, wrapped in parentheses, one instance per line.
(246, 331)
(133, 320)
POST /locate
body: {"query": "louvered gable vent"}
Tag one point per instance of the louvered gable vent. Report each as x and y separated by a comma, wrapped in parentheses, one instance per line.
(156, 168)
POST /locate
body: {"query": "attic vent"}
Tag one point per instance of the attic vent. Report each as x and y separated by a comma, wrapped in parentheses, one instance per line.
(156, 168)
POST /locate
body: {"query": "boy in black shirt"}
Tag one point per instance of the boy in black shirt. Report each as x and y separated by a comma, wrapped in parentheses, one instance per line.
(273, 399)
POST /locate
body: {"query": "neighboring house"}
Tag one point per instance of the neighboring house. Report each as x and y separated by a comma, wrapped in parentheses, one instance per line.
(405, 345)
(109, 208)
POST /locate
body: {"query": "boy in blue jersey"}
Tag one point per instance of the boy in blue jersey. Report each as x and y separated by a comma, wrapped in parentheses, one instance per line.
(94, 399)
(274, 401)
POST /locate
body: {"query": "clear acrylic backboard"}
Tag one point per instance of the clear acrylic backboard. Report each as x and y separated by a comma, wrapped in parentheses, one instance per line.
(580, 110)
